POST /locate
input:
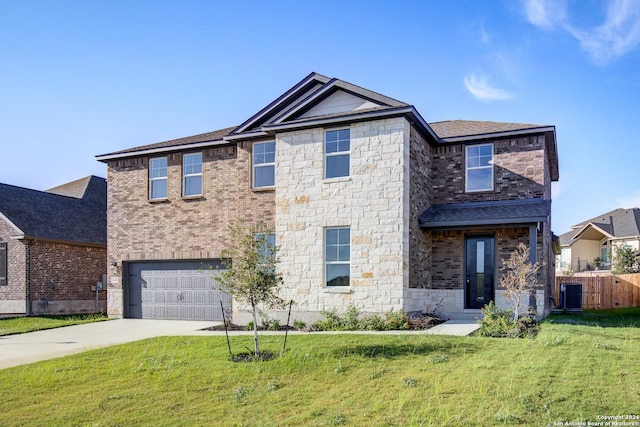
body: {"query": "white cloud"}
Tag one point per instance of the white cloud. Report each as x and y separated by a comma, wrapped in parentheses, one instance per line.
(618, 34)
(545, 13)
(630, 201)
(482, 90)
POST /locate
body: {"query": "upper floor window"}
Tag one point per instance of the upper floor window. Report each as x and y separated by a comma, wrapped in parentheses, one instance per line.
(158, 178)
(337, 253)
(192, 175)
(479, 170)
(337, 150)
(264, 164)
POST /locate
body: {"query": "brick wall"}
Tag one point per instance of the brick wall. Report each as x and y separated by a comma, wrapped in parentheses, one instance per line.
(195, 228)
(62, 275)
(420, 199)
(13, 295)
(520, 170)
(448, 254)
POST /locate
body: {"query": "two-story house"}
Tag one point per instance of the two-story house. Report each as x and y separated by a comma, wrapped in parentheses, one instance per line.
(371, 206)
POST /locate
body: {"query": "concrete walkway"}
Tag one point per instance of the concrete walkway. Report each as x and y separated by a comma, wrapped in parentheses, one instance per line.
(32, 347)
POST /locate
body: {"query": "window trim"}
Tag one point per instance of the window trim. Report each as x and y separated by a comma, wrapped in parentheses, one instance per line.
(328, 263)
(186, 175)
(255, 166)
(336, 154)
(467, 168)
(161, 178)
(4, 264)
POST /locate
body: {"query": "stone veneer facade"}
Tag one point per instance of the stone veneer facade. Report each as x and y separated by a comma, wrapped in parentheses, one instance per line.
(373, 201)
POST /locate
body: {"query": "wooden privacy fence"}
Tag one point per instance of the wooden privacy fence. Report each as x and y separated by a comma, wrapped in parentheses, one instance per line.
(604, 292)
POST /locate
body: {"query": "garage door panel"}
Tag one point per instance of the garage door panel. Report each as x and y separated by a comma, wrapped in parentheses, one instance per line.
(176, 290)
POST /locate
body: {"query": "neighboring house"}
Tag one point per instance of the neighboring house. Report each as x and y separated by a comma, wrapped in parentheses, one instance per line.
(371, 206)
(590, 244)
(53, 247)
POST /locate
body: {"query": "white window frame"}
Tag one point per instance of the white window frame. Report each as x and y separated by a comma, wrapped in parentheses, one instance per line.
(468, 168)
(257, 166)
(328, 263)
(327, 155)
(186, 175)
(155, 179)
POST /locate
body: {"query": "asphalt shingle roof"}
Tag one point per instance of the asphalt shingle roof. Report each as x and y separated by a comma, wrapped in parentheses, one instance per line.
(459, 128)
(486, 213)
(618, 223)
(213, 136)
(48, 215)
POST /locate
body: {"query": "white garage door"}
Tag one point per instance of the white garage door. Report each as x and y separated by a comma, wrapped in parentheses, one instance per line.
(184, 290)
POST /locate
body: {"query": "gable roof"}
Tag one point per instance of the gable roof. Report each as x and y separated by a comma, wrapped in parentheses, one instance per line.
(617, 224)
(73, 213)
(318, 100)
(523, 211)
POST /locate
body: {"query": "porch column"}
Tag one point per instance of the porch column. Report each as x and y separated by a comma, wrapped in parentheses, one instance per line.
(533, 243)
(533, 257)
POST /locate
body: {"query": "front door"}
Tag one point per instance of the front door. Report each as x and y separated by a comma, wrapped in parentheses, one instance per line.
(480, 256)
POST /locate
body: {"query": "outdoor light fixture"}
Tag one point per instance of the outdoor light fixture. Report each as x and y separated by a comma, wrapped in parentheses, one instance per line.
(114, 264)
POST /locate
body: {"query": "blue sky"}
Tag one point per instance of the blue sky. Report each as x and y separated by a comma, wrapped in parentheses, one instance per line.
(82, 78)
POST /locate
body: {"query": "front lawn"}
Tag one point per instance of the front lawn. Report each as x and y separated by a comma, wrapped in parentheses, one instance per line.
(569, 373)
(20, 325)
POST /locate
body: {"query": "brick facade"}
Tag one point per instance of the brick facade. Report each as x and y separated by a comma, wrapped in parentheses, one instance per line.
(421, 194)
(13, 296)
(519, 171)
(179, 228)
(72, 269)
(62, 275)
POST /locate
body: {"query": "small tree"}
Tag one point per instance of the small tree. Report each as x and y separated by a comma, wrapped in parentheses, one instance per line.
(519, 278)
(624, 260)
(250, 275)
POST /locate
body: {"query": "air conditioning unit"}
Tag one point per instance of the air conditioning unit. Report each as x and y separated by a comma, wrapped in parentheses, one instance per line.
(571, 297)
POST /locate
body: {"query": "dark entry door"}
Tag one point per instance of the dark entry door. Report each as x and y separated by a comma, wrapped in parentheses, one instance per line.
(480, 259)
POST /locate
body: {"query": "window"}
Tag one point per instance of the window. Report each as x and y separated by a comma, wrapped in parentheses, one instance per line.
(480, 168)
(4, 265)
(192, 175)
(266, 249)
(337, 153)
(158, 178)
(264, 164)
(337, 256)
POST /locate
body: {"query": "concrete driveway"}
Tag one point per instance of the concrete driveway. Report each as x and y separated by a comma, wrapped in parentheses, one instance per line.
(51, 343)
(32, 347)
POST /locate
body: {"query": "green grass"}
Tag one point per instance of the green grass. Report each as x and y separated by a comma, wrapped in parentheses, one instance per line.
(20, 325)
(571, 372)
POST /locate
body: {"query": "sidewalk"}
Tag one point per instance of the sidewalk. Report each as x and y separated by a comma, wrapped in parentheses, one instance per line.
(32, 347)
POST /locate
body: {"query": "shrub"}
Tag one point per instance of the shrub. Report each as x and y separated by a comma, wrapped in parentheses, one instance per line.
(352, 320)
(496, 322)
(299, 324)
(499, 323)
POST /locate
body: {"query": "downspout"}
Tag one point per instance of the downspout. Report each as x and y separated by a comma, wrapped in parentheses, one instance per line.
(30, 243)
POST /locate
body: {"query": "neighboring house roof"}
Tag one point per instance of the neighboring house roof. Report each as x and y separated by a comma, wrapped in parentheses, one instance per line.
(523, 211)
(75, 212)
(616, 224)
(318, 100)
